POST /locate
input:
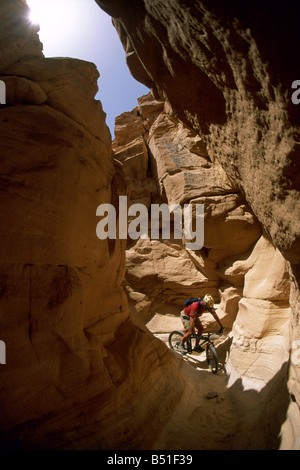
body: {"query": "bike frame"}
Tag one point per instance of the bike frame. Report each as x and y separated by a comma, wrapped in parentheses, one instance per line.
(205, 337)
(211, 354)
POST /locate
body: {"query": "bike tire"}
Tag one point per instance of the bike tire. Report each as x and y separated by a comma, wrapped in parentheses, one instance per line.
(174, 338)
(212, 358)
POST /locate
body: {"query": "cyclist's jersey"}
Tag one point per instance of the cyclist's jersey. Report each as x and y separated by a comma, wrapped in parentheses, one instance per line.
(195, 310)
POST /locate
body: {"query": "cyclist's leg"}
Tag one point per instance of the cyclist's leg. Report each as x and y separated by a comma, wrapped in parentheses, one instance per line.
(186, 325)
(200, 329)
(186, 336)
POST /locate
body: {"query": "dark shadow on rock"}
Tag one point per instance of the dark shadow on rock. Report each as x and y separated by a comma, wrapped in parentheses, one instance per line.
(261, 414)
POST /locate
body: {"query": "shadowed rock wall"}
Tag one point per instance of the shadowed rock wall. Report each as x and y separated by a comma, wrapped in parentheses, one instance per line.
(75, 362)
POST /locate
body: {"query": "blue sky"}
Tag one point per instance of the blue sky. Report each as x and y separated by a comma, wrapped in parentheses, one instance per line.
(80, 29)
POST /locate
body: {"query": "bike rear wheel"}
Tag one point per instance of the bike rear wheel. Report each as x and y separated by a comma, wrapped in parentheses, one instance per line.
(175, 339)
(212, 358)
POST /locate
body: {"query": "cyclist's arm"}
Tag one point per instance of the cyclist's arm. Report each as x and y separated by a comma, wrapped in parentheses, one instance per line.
(214, 314)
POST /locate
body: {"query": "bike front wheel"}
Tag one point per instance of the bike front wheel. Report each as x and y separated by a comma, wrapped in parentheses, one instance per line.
(175, 339)
(212, 358)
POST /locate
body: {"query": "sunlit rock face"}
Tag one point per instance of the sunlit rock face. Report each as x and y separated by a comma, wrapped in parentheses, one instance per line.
(238, 264)
(227, 73)
(166, 163)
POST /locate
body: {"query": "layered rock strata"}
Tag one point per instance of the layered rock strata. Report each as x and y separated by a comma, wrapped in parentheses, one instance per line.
(238, 264)
(221, 71)
(167, 163)
(227, 73)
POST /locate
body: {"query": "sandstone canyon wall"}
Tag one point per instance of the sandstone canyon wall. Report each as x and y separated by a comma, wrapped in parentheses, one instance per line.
(227, 74)
(66, 383)
(166, 161)
(82, 370)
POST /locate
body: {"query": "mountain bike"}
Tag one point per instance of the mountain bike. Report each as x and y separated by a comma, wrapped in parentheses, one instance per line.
(176, 336)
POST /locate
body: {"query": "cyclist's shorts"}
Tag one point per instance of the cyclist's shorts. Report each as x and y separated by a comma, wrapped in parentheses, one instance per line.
(185, 320)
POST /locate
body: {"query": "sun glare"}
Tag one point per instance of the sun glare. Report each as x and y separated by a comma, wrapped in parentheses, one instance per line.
(81, 30)
(60, 21)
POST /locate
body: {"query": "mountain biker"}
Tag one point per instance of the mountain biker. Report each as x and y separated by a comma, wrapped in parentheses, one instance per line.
(190, 318)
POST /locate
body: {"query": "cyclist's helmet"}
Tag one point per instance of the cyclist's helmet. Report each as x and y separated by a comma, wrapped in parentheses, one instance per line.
(208, 299)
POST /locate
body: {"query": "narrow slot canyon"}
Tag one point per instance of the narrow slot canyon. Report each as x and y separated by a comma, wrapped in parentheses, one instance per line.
(85, 318)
